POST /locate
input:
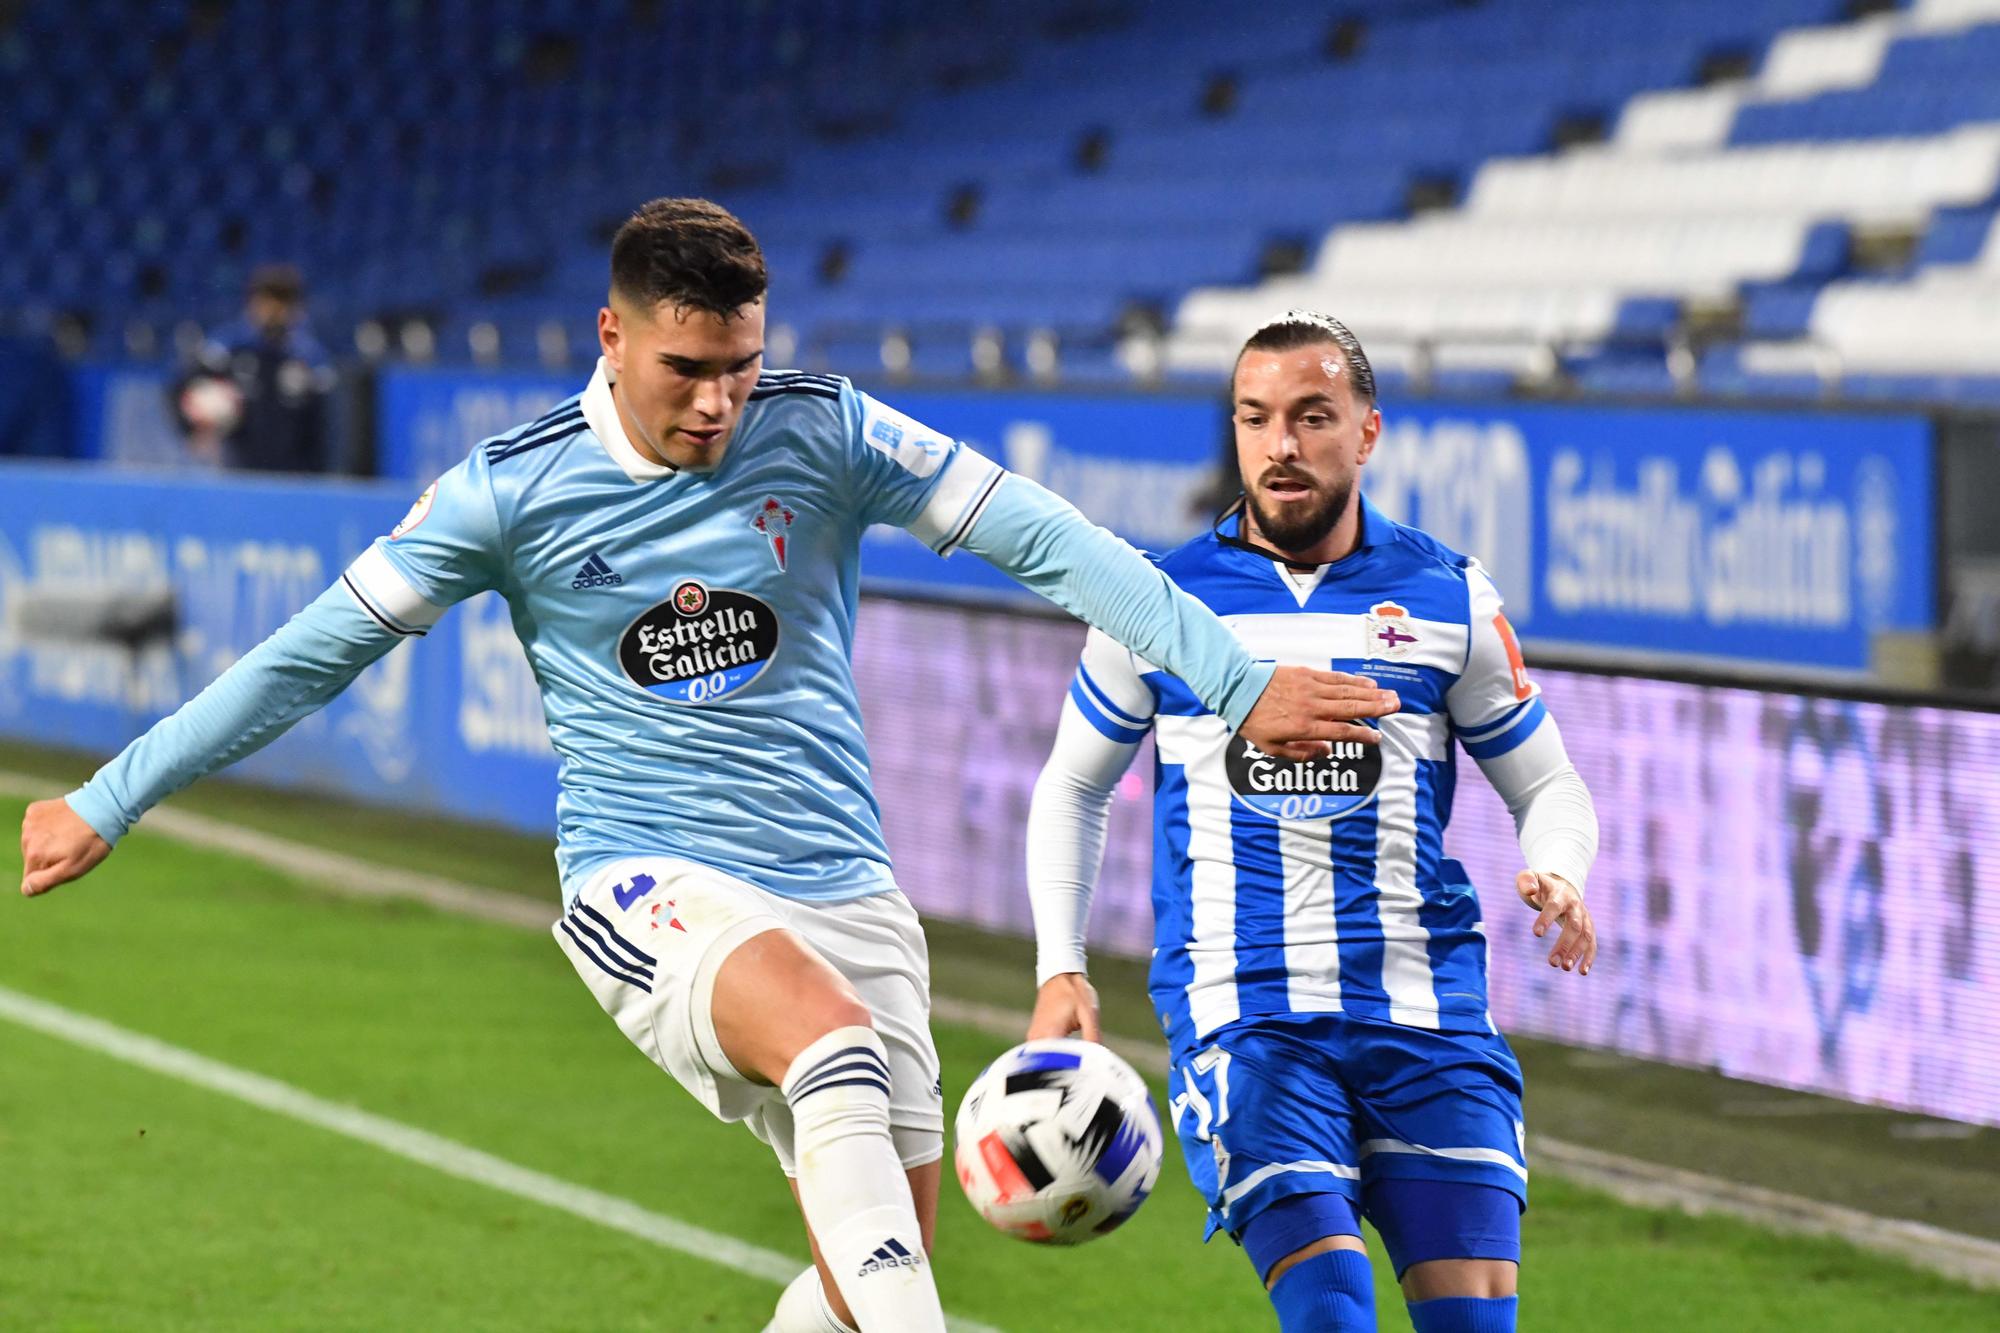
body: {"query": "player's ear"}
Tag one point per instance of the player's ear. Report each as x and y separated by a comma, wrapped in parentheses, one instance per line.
(1371, 431)
(610, 339)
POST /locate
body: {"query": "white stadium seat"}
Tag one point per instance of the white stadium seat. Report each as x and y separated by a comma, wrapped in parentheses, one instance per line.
(1545, 249)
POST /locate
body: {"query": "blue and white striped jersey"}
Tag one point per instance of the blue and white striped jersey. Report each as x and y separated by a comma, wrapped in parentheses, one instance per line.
(1284, 887)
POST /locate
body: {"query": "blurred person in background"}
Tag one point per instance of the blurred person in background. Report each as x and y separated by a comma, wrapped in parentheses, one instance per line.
(255, 395)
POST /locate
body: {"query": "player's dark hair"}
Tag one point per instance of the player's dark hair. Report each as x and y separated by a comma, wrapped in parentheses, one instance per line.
(690, 253)
(1304, 328)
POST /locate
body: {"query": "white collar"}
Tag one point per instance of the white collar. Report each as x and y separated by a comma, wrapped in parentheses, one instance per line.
(1302, 582)
(601, 413)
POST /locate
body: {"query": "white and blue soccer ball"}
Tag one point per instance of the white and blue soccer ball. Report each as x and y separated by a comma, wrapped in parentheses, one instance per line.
(1057, 1142)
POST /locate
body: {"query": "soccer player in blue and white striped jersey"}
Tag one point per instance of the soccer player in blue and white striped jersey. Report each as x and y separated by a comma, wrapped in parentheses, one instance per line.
(1320, 964)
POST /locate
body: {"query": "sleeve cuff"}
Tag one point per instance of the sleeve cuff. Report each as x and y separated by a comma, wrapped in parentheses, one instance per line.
(98, 811)
(1056, 961)
(1565, 866)
(1244, 697)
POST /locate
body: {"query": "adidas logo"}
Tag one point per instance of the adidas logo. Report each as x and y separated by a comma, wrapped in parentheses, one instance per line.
(595, 574)
(890, 1254)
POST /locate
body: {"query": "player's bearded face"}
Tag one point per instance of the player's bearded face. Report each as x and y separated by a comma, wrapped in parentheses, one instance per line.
(682, 377)
(1301, 439)
(1301, 521)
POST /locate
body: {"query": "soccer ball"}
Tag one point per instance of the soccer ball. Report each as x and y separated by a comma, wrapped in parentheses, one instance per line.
(1057, 1142)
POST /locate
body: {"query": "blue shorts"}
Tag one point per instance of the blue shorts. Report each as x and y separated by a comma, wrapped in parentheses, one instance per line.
(1278, 1105)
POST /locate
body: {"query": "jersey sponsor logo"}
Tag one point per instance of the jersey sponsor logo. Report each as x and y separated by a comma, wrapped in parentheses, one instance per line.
(1389, 632)
(596, 574)
(1518, 668)
(774, 520)
(1330, 787)
(419, 511)
(699, 645)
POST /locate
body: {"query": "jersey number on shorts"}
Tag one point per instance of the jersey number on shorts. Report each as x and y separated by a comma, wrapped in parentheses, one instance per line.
(641, 886)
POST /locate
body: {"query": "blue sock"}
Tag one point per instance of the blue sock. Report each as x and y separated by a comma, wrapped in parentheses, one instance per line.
(1463, 1314)
(1332, 1292)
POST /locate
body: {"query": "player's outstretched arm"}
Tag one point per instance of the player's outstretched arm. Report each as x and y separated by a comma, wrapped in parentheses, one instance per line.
(56, 847)
(1041, 540)
(443, 551)
(296, 671)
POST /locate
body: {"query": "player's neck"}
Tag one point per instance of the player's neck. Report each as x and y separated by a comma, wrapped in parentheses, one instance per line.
(645, 447)
(1340, 541)
(633, 435)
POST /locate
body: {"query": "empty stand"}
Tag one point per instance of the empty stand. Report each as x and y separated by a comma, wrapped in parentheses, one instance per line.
(1042, 177)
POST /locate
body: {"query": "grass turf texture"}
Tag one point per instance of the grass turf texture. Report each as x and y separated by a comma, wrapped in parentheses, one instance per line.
(222, 1216)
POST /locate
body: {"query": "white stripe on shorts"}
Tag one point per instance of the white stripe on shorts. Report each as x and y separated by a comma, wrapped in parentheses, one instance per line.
(1264, 1173)
(1492, 1155)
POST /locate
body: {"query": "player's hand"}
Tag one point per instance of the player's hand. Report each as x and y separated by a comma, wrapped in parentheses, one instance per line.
(56, 847)
(1066, 1006)
(1302, 709)
(1560, 903)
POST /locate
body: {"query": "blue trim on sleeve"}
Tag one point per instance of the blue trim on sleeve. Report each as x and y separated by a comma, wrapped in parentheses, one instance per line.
(1498, 724)
(1530, 719)
(1104, 700)
(1095, 716)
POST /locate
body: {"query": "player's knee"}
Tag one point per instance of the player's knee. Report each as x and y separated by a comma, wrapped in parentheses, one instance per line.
(841, 1011)
(763, 1039)
(1479, 1279)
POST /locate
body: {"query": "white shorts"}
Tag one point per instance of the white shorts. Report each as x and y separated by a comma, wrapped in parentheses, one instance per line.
(648, 933)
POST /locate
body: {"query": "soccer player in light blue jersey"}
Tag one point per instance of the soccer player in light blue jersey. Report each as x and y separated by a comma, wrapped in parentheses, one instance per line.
(1320, 968)
(678, 546)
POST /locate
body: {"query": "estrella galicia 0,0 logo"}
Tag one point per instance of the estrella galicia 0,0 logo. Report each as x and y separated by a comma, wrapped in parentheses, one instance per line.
(700, 644)
(1326, 788)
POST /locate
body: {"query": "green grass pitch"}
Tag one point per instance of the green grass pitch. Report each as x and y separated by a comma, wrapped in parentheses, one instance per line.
(130, 1200)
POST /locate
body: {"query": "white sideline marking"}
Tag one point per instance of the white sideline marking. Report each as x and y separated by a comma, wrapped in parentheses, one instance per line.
(1969, 1259)
(406, 1141)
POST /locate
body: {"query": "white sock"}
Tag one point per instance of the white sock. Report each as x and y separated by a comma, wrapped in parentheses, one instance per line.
(804, 1309)
(852, 1187)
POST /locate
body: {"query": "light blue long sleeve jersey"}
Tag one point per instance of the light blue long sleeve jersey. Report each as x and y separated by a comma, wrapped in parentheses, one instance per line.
(691, 631)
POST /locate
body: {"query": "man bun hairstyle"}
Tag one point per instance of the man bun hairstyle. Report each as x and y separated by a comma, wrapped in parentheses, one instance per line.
(1303, 328)
(692, 254)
